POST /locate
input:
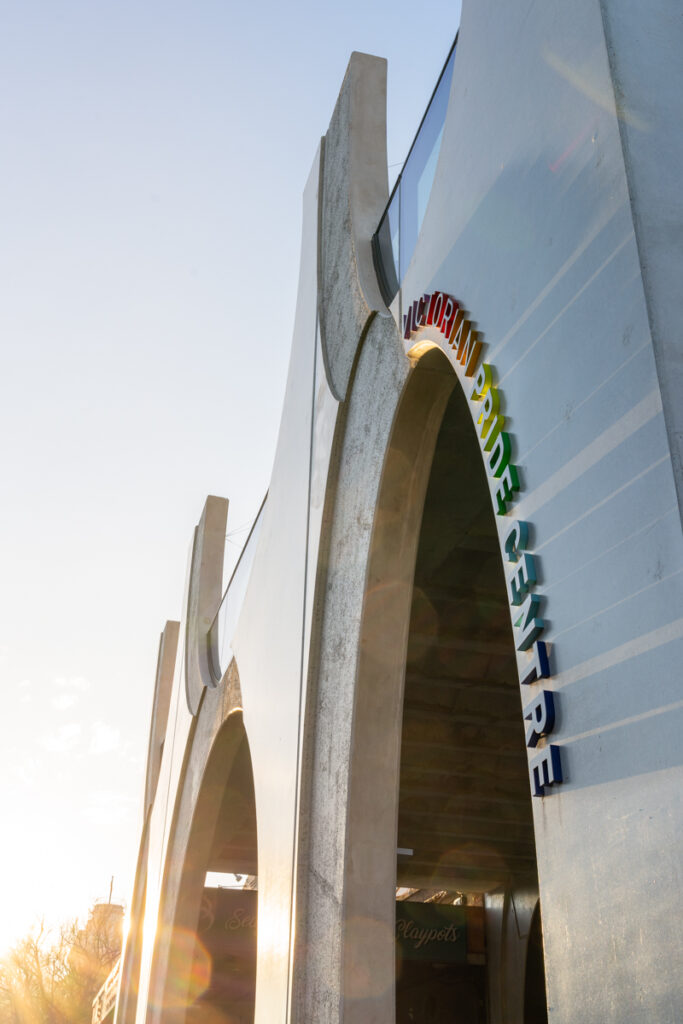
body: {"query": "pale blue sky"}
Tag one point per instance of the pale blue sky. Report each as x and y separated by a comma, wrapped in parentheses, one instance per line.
(153, 160)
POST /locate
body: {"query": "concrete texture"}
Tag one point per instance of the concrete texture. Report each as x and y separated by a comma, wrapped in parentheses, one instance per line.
(131, 961)
(206, 772)
(206, 581)
(321, 929)
(168, 649)
(354, 194)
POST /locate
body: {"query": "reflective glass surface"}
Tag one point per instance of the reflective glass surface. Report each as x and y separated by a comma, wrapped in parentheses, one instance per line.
(386, 247)
(398, 231)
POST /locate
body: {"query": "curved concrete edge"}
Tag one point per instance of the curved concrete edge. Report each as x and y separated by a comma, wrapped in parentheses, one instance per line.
(131, 955)
(369, 177)
(378, 379)
(354, 194)
(193, 819)
(231, 689)
(163, 686)
(203, 598)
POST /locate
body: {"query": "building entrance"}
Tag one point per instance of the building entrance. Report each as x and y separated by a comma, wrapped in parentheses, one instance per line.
(465, 839)
(440, 961)
(208, 972)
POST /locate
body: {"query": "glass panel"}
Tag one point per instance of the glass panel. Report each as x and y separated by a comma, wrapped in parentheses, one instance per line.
(386, 247)
(420, 167)
(396, 237)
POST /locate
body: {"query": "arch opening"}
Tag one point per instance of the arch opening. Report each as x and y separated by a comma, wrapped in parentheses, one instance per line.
(465, 839)
(210, 973)
(448, 769)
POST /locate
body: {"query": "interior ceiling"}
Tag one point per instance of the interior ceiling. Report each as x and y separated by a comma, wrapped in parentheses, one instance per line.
(465, 804)
(234, 846)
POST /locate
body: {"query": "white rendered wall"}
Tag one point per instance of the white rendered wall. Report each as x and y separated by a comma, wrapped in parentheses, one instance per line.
(531, 226)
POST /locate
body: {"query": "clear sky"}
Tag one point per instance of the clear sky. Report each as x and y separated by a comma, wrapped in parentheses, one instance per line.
(153, 157)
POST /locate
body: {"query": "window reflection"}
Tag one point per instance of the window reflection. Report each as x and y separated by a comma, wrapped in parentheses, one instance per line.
(396, 237)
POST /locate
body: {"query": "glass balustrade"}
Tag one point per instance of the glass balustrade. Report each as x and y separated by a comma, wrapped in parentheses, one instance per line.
(396, 237)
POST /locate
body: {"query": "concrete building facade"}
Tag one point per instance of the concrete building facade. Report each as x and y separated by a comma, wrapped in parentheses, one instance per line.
(448, 661)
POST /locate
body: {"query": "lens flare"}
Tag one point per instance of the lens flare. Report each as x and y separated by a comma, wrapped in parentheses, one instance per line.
(188, 973)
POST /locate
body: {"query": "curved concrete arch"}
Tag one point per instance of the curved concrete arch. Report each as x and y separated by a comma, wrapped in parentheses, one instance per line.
(379, 376)
(131, 958)
(364, 636)
(163, 686)
(369, 949)
(203, 598)
(217, 748)
(354, 191)
(383, 378)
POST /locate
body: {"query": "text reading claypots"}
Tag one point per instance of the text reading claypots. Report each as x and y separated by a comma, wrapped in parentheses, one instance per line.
(418, 936)
(461, 342)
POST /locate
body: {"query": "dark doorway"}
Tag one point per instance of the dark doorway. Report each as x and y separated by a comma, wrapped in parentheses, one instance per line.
(465, 829)
(535, 1004)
